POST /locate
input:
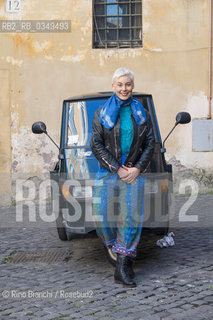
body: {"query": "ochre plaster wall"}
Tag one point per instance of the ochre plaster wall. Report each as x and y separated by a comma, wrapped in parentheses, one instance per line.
(45, 68)
(5, 138)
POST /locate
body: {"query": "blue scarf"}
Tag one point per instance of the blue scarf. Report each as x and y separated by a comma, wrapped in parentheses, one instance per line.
(109, 112)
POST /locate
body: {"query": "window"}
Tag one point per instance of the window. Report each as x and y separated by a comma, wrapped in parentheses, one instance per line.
(117, 24)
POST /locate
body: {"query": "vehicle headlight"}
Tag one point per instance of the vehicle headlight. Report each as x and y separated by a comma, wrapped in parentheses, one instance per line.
(164, 185)
(82, 192)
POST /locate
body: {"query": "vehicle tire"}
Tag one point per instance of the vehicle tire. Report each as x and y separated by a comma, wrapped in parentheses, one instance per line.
(61, 228)
(111, 257)
(62, 234)
(163, 231)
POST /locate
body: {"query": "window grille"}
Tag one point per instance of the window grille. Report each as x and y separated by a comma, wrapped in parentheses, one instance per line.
(117, 23)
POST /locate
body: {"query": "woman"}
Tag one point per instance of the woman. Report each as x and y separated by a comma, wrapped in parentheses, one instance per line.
(123, 142)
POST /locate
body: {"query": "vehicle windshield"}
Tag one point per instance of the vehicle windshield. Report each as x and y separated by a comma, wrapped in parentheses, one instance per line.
(80, 162)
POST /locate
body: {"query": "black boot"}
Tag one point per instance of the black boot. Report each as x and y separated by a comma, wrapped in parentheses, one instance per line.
(121, 272)
(130, 270)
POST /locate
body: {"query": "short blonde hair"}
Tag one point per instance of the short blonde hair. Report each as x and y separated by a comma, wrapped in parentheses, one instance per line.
(122, 72)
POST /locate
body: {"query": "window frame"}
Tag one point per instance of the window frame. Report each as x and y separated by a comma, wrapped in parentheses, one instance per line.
(117, 43)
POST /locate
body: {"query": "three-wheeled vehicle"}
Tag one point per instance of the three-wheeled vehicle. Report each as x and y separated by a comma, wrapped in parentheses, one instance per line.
(73, 177)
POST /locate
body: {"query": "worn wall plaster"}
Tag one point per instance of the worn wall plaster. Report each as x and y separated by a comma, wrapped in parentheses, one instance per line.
(47, 68)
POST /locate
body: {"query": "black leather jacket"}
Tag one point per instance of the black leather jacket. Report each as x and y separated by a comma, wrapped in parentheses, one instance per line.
(105, 144)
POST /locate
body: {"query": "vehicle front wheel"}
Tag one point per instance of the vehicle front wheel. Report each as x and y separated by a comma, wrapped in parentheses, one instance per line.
(61, 228)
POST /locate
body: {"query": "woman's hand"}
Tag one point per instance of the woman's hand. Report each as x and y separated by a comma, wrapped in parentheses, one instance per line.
(123, 173)
(128, 175)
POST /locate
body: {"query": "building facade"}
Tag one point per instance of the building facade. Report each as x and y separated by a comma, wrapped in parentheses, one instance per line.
(165, 43)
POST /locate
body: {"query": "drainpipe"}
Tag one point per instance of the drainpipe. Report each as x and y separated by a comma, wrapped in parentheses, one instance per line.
(210, 64)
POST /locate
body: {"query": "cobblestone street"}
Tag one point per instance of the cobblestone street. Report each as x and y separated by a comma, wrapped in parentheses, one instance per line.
(76, 281)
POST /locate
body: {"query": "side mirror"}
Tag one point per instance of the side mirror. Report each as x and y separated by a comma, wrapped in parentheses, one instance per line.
(39, 127)
(181, 118)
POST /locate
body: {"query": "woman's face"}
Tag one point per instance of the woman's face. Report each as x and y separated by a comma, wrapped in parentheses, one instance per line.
(123, 87)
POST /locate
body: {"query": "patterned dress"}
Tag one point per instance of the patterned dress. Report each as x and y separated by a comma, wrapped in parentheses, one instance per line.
(118, 206)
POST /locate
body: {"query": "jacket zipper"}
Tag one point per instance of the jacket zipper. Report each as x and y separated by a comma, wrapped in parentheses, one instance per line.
(142, 132)
(146, 167)
(110, 166)
(115, 139)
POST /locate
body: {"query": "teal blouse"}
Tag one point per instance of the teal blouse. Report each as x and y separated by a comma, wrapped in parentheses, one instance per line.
(126, 129)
